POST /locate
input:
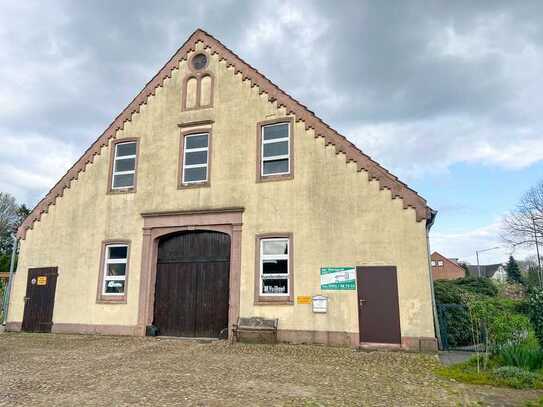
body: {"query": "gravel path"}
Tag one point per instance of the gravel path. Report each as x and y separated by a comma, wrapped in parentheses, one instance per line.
(69, 370)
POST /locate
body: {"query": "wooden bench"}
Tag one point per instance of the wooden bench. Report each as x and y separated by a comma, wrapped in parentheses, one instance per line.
(256, 330)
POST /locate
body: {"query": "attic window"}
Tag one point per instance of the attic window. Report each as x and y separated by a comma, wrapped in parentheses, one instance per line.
(199, 61)
(123, 165)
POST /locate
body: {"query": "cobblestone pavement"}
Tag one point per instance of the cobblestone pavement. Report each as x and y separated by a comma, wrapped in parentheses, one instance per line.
(70, 370)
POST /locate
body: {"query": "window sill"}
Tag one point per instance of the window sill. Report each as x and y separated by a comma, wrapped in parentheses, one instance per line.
(205, 184)
(271, 178)
(122, 191)
(103, 300)
(274, 301)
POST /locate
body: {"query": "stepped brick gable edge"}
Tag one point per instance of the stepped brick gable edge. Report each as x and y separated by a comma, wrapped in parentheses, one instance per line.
(375, 171)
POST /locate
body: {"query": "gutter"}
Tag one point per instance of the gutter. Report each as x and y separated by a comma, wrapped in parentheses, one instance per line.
(429, 223)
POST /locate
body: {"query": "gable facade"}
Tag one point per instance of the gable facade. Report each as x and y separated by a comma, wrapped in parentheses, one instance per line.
(444, 268)
(330, 203)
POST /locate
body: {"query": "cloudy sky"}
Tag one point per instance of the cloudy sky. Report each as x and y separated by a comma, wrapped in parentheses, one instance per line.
(447, 95)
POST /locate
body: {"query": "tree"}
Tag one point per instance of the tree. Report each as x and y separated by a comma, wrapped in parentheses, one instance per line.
(8, 213)
(513, 271)
(525, 223)
(11, 217)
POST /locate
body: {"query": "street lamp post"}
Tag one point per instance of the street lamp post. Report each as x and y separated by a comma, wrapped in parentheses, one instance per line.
(482, 251)
(540, 274)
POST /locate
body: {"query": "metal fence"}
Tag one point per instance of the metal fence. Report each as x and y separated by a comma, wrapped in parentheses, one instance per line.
(457, 329)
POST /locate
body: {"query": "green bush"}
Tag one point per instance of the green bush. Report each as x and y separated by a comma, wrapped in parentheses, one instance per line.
(534, 305)
(458, 327)
(447, 292)
(525, 356)
(516, 377)
(478, 285)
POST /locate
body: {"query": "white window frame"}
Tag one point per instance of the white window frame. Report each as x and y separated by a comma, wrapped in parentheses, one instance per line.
(434, 263)
(440, 263)
(108, 261)
(124, 157)
(274, 257)
(194, 150)
(274, 157)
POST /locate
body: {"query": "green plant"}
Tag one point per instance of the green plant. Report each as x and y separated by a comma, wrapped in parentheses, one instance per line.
(513, 271)
(503, 327)
(478, 285)
(525, 356)
(516, 377)
(534, 305)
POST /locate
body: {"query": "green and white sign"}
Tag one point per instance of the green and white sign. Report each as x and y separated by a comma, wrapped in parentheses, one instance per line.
(338, 278)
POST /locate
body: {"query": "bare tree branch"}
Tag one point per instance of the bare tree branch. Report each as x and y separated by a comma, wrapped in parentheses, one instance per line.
(525, 222)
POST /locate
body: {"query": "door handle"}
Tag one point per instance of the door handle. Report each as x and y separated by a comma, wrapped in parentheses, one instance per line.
(26, 299)
(361, 302)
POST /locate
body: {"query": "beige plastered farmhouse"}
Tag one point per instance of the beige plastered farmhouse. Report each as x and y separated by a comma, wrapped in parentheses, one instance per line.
(213, 196)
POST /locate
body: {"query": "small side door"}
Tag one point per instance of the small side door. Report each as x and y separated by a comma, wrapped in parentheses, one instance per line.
(40, 299)
(378, 308)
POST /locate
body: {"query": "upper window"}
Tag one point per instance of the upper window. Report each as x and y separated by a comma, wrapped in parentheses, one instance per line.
(199, 61)
(124, 166)
(114, 275)
(440, 263)
(274, 267)
(195, 158)
(433, 263)
(275, 149)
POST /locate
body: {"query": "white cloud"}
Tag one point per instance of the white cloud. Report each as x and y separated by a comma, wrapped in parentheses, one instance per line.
(463, 244)
(31, 164)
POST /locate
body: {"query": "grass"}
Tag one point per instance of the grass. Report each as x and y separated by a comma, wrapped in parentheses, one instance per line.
(534, 403)
(467, 373)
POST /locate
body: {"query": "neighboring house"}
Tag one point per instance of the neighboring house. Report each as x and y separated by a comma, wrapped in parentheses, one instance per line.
(494, 271)
(214, 195)
(445, 269)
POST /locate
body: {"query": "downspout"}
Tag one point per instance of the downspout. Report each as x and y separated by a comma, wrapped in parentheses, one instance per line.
(429, 224)
(7, 292)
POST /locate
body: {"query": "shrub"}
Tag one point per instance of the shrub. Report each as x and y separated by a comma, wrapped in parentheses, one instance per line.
(525, 356)
(478, 285)
(447, 292)
(516, 377)
(534, 305)
(503, 326)
(458, 326)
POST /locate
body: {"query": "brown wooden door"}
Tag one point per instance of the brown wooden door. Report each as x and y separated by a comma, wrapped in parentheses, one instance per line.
(378, 309)
(192, 285)
(40, 299)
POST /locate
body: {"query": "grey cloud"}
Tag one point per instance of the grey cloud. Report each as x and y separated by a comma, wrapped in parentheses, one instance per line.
(365, 67)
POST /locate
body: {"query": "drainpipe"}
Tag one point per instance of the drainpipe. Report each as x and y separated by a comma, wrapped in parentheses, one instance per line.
(429, 224)
(7, 292)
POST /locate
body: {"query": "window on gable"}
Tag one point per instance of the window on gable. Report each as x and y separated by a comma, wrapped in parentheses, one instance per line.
(274, 267)
(124, 166)
(275, 149)
(440, 263)
(434, 263)
(115, 268)
(195, 158)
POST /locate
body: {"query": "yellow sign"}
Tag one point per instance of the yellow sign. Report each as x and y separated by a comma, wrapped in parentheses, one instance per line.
(42, 280)
(304, 299)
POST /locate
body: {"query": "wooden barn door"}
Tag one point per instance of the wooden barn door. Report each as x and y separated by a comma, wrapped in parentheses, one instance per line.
(40, 299)
(192, 284)
(378, 308)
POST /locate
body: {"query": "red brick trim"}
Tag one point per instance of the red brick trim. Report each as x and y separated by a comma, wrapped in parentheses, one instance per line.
(352, 154)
